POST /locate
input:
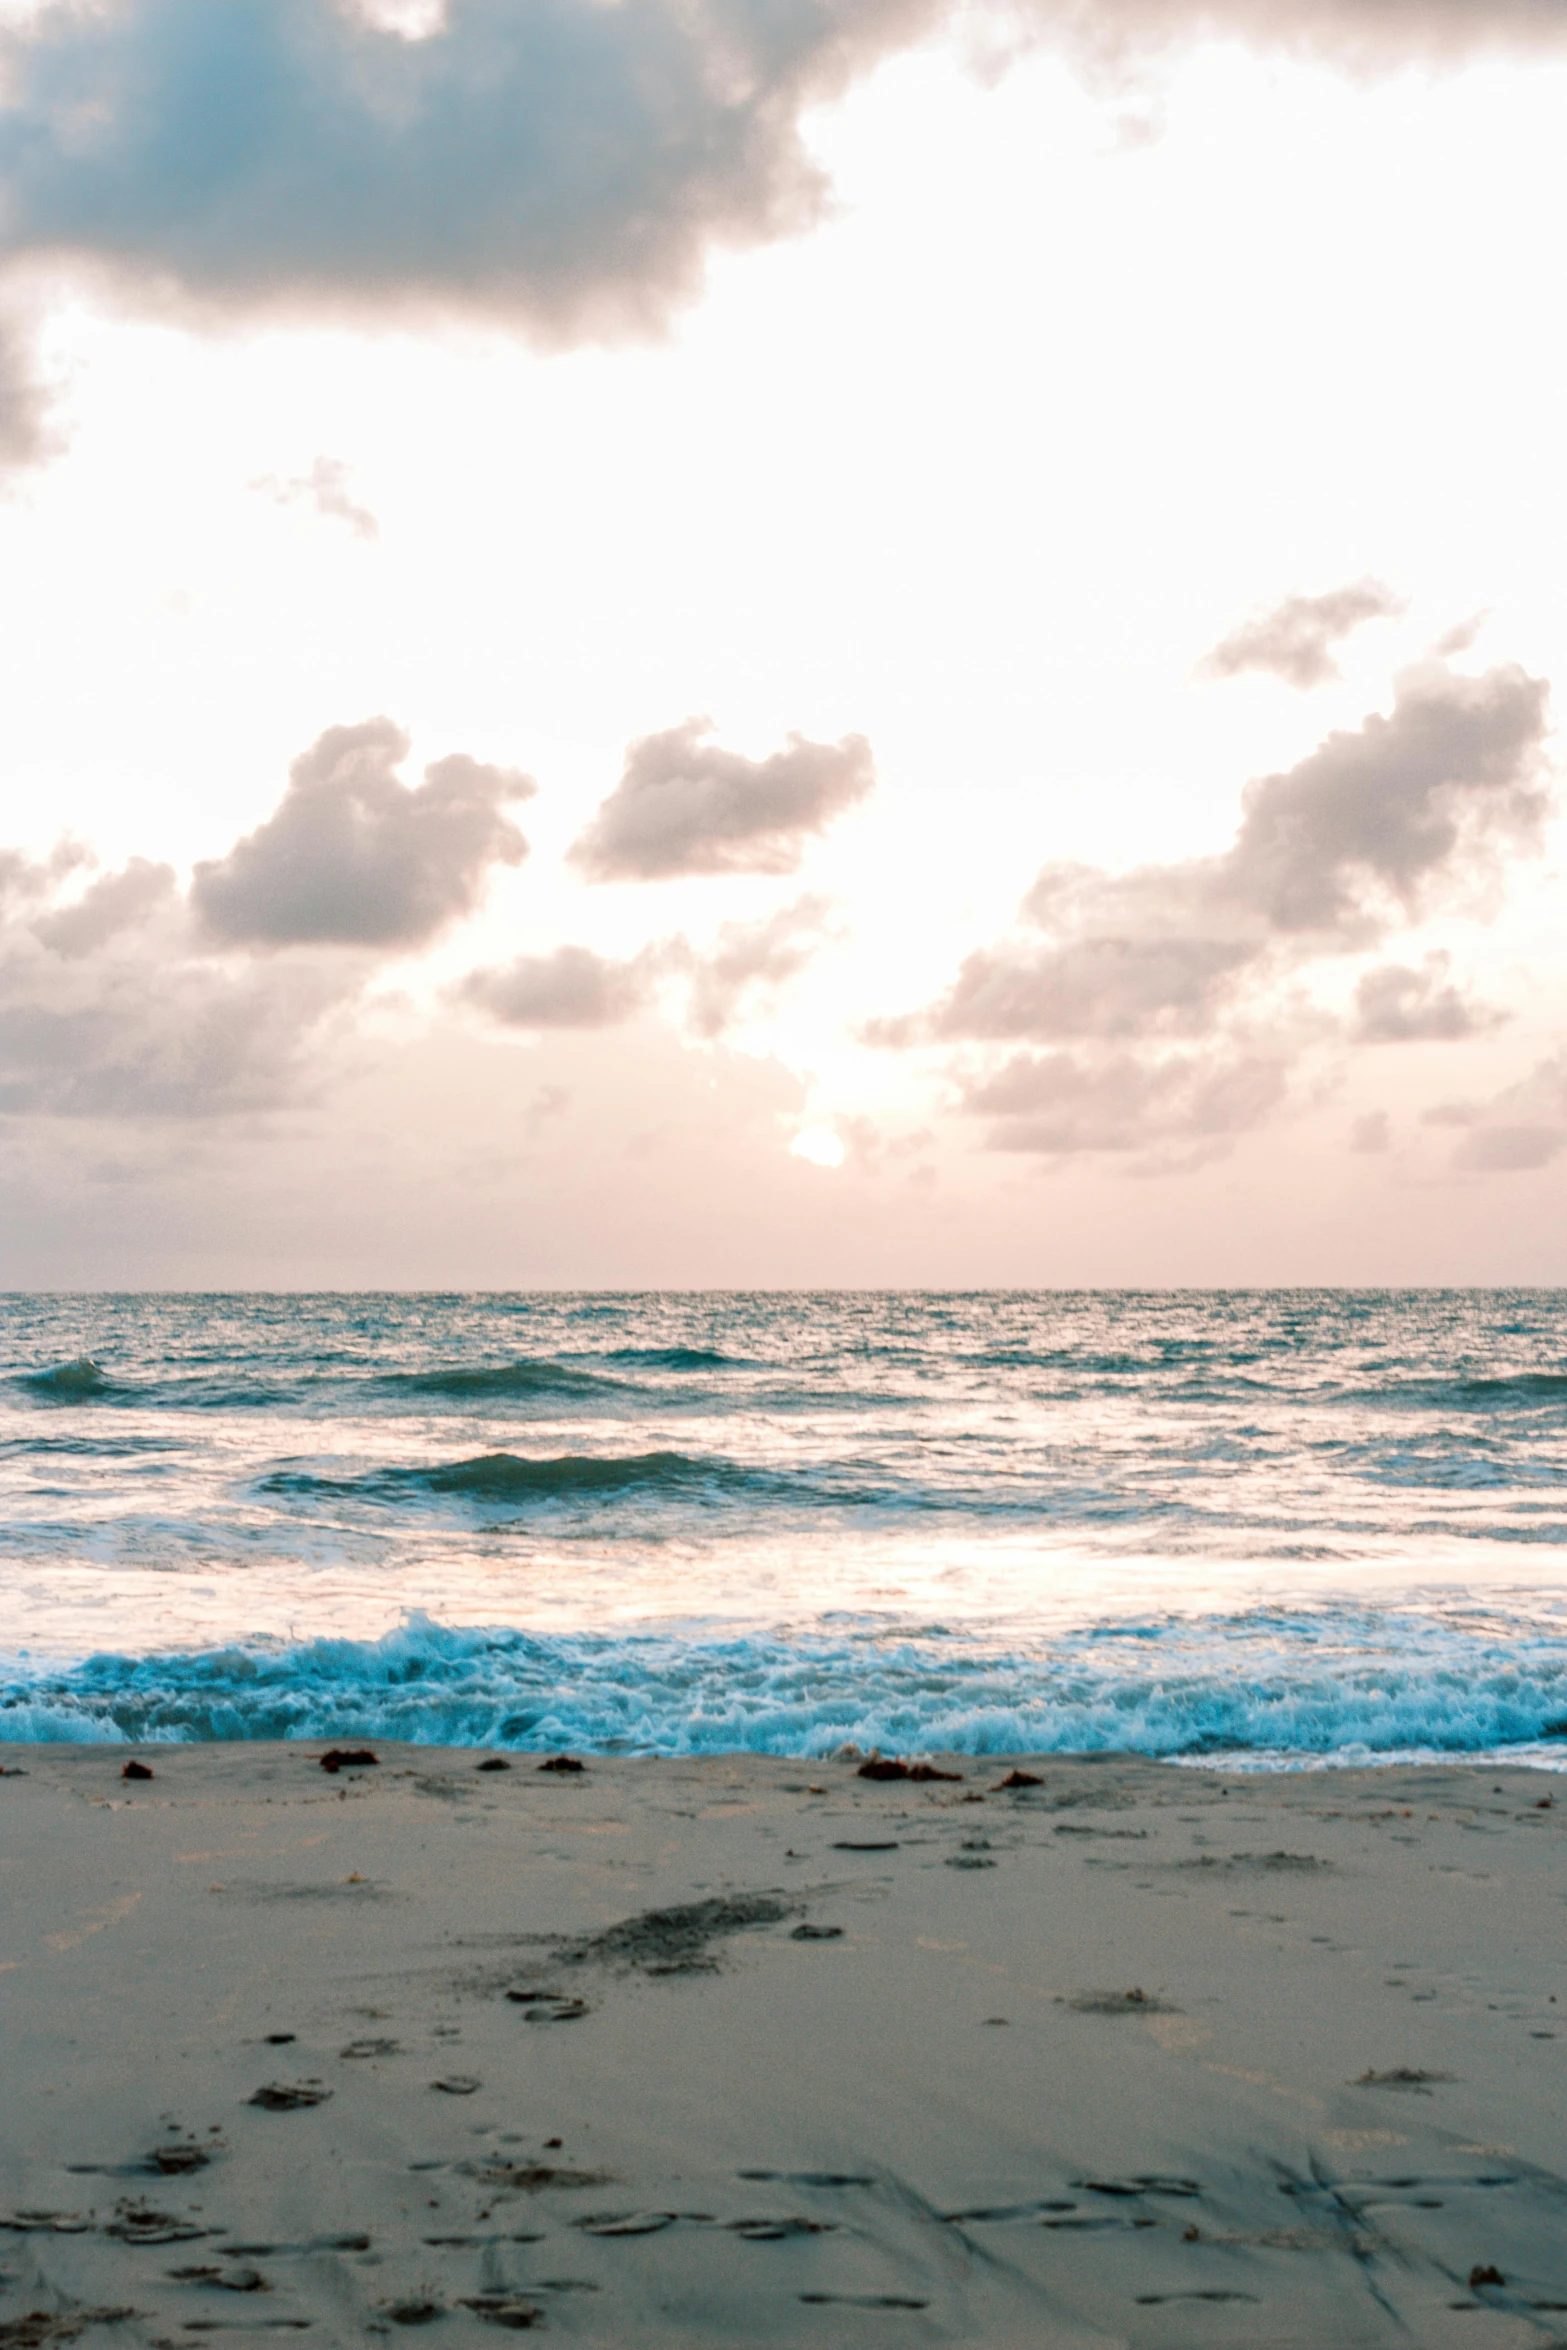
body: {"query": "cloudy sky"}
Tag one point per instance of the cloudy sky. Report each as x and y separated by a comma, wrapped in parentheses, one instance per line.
(775, 642)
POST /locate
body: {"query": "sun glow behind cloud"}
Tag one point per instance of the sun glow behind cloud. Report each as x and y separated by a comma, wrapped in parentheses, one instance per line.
(980, 470)
(819, 1146)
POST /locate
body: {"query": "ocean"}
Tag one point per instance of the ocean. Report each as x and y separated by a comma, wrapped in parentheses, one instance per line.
(1282, 1528)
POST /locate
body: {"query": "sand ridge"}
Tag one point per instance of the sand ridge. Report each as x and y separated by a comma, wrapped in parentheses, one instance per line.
(735, 2051)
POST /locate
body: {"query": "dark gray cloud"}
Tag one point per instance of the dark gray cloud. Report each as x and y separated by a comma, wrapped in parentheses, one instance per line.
(747, 956)
(1060, 1103)
(685, 805)
(564, 165)
(571, 988)
(1396, 1005)
(355, 857)
(1295, 639)
(326, 488)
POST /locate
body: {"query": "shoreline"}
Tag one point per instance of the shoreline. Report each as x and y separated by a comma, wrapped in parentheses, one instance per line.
(736, 2050)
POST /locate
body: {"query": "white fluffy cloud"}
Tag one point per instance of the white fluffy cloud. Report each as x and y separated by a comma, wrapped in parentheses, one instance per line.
(1376, 827)
(355, 857)
(685, 805)
(569, 988)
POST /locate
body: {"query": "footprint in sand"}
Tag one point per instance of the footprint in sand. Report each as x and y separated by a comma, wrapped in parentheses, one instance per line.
(183, 2156)
(141, 2223)
(626, 2223)
(1157, 2300)
(41, 2327)
(866, 2300)
(289, 2096)
(779, 2231)
(549, 2007)
(505, 2309)
(227, 2280)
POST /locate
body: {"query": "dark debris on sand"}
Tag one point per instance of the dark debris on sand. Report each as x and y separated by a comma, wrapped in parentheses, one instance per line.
(885, 1767)
(42, 2326)
(548, 2007)
(1401, 2076)
(1134, 2002)
(177, 2158)
(678, 1941)
(1279, 1864)
(529, 2178)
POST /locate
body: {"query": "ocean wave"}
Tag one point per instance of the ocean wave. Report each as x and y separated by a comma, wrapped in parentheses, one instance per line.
(72, 1382)
(680, 1358)
(1458, 1391)
(1272, 1686)
(509, 1476)
(87, 1382)
(497, 1382)
(95, 1447)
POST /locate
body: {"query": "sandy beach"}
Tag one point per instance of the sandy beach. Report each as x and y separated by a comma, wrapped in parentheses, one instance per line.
(740, 2051)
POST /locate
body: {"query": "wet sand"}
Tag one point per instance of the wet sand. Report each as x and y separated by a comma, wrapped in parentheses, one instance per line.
(739, 2052)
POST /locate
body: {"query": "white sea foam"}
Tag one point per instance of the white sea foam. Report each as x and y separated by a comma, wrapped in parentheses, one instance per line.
(1264, 1686)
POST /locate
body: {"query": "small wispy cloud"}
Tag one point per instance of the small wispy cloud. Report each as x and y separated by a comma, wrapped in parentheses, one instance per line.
(325, 488)
(1295, 640)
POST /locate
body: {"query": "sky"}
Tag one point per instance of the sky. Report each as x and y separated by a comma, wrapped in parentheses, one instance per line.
(781, 643)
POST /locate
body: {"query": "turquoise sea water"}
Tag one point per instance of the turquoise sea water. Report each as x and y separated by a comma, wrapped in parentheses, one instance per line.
(1298, 1525)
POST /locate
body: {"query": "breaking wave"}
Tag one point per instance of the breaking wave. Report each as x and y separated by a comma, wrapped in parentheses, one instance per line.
(73, 1382)
(1357, 1689)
